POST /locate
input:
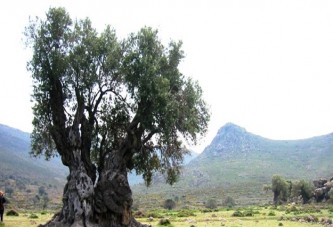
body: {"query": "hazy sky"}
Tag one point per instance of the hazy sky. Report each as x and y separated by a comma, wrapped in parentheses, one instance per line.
(264, 65)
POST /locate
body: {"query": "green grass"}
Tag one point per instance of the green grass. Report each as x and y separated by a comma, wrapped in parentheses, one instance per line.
(200, 218)
(260, 216)
(24, 220)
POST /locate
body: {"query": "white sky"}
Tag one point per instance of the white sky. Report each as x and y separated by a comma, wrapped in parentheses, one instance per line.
(264, 65)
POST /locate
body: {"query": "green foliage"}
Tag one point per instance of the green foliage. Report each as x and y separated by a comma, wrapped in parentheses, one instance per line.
(154, 214)
(229, 202)
(238, 213)
(248, 213)
(106, 92)
(281, 189)
(185, 213)
(12, 213)
(169, 204)
(33, 216)
(42, 191)
(164, 222)
(303, 189)
(211, 204)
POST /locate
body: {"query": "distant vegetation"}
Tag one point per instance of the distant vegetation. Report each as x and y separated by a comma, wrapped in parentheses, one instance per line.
(301, 190)
(29, 183)
(237, 164)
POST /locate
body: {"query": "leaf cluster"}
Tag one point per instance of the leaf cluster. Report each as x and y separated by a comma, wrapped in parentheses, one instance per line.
(111, 96)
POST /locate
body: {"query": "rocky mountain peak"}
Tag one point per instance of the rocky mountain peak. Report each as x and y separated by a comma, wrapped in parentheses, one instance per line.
(231, 138)
(230, 128)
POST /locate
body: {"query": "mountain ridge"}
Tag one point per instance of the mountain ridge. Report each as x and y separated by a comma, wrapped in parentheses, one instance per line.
(16, 161)
(239, 163)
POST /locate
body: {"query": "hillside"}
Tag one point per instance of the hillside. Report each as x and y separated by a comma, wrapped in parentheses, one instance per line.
(16, 161)
(23, 173)
(238, 163)
(236, 155)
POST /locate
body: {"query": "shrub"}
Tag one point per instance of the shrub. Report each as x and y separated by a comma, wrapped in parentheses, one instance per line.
(211, 204)
(139, 214)
(12, 213)
(33, 216)
(248, 213)
(229, 202)
(185, 213)
(154, 215)
(271, 213)
(169, 204)
(164, 221)
(238, 213)
(206, 211)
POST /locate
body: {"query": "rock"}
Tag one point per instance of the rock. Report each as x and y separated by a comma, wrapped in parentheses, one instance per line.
(319, 183)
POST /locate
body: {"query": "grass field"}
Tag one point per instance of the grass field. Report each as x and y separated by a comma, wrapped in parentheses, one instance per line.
(290, 216)
(26, 219)
(287, 216)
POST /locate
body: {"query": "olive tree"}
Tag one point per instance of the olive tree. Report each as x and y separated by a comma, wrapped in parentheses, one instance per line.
(281, 189)
(304, 189)
(108, 106)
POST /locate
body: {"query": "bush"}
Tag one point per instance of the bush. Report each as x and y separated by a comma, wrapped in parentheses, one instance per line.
(12, 213)
(154, 215)
(238, 213)
(211, 204)
(206, 211)
(271, 213)
(139, 214)
(164, 221)
(185, 213)
(33, 216)
(169, 204)
(248, 213)
(229, 202)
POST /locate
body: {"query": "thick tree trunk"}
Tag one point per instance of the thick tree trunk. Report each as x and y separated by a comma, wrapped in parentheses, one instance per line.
(78, 194)
(276, 197)
(107, 204)
(113, 196)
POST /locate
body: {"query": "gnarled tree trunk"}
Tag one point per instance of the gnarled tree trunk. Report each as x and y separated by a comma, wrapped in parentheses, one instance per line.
(78, 197)
(113, 196)
(106, 204)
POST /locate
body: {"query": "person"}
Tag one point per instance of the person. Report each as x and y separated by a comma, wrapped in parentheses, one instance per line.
(2, 207)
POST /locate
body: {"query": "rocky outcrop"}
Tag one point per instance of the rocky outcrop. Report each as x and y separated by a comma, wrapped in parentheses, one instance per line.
(322, 188)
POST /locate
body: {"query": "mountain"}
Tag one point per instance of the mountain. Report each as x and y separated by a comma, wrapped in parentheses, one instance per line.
(238, 163)
(17, 164)
(238, 154)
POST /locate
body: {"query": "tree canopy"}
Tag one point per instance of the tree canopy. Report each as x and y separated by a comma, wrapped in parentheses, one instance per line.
(281, 189)
(107, 93)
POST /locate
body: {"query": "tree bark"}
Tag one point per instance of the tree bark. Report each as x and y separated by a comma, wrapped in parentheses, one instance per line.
(78, 200)
(113, 196)
(107, 204)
